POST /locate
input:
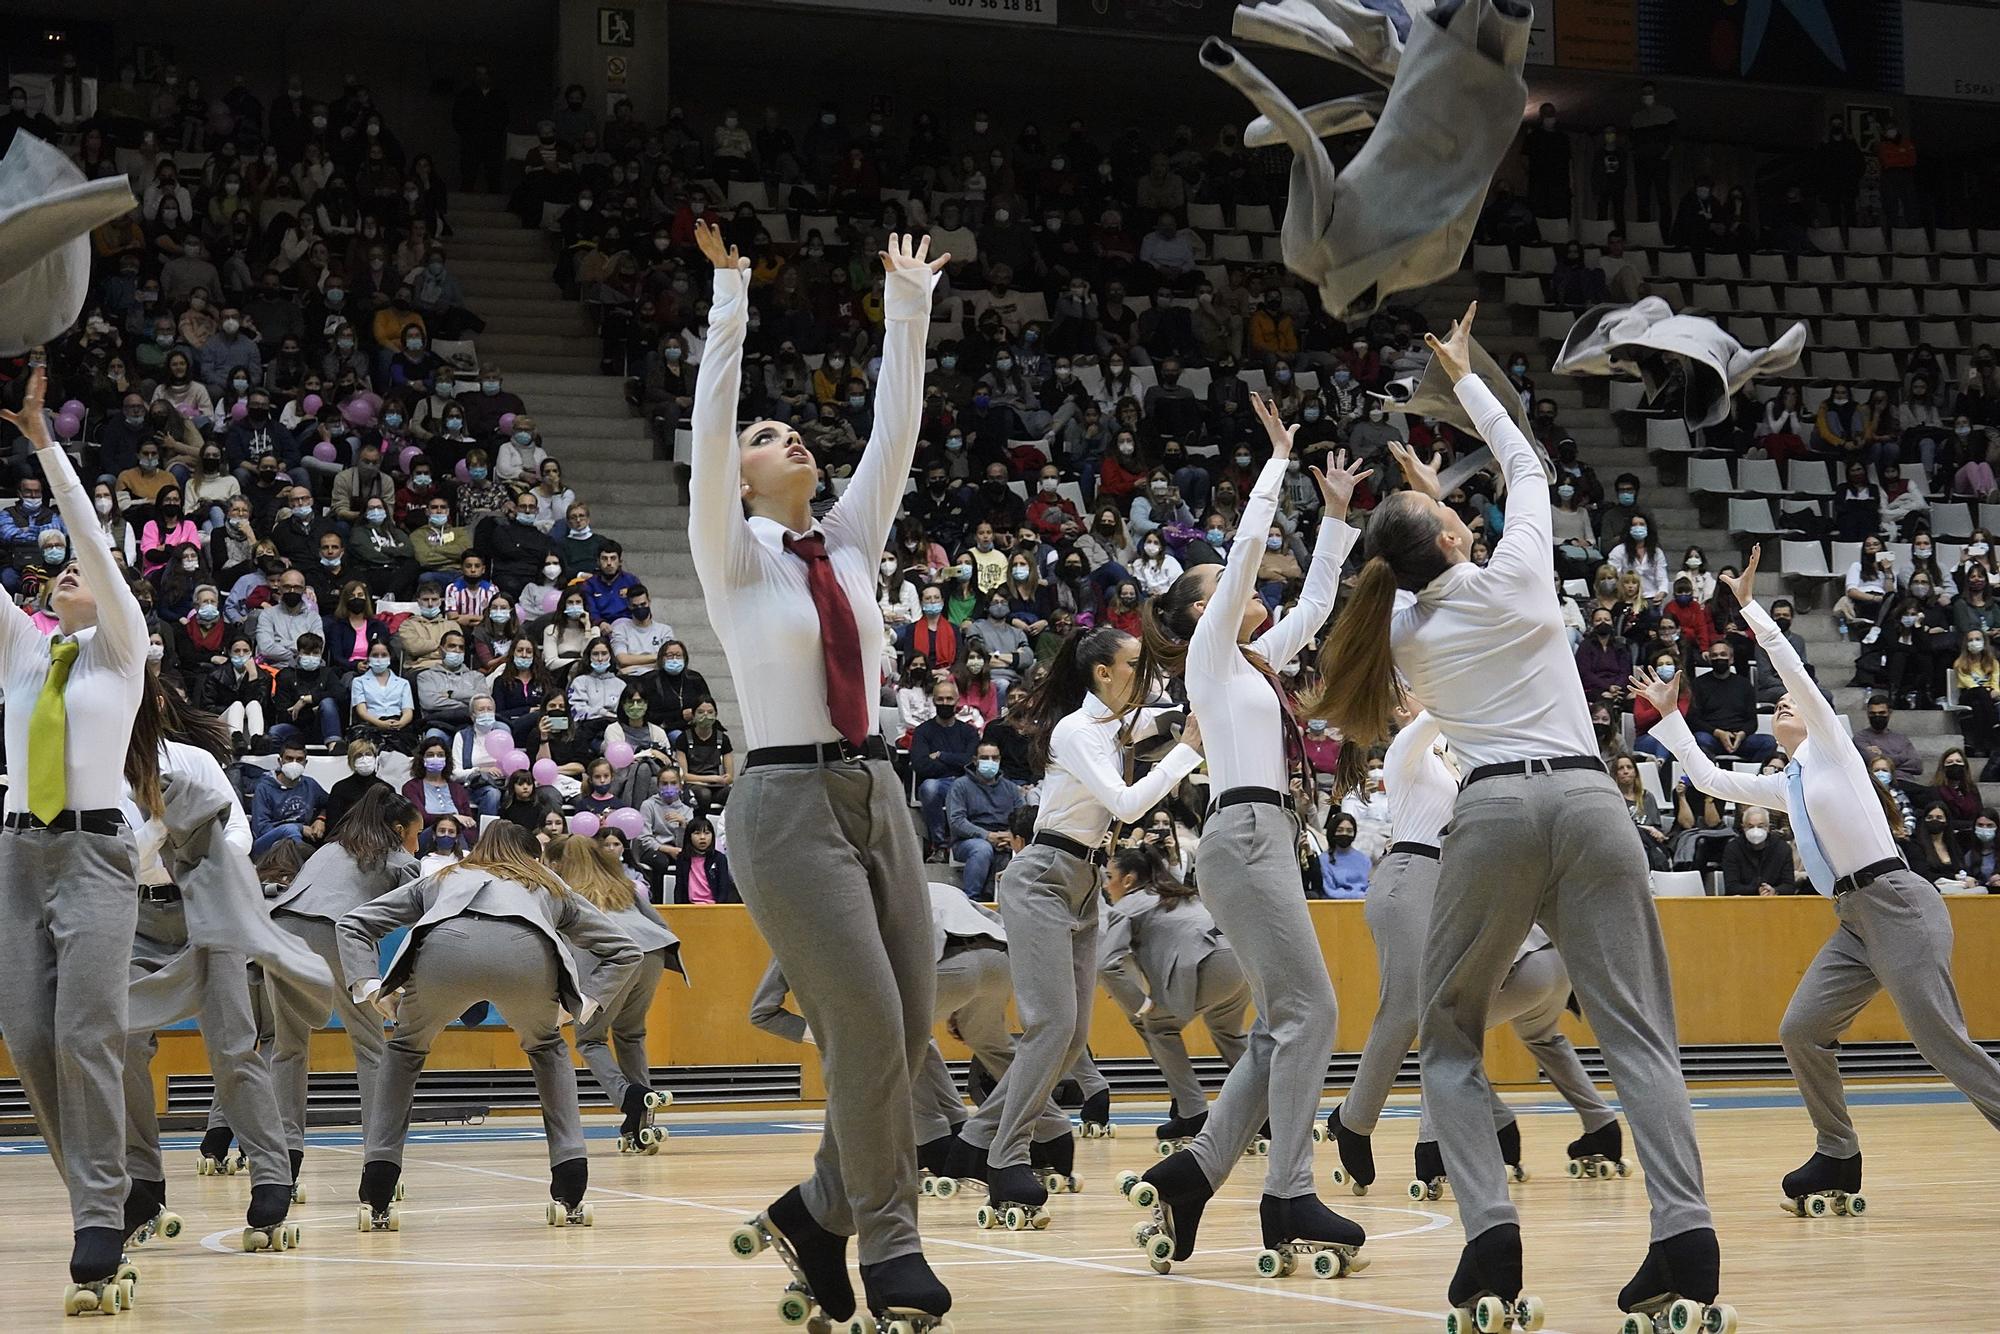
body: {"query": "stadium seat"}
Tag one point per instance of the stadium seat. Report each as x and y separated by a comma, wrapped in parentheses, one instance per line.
(1879, 367)
(1804, 301)
(1255, 218)
(1817, 269)
(1961, 270)
(1723, 266)
(1912, 269)
(1205, 217)
(1769, 269)
(1826, 240)
(1853, 301)
(1838, 333)
(1757, 297)
(1643, 235)
(1751, 517)
(1755, 476)
(1809, 477)
(1900, 302)
(1710, 477)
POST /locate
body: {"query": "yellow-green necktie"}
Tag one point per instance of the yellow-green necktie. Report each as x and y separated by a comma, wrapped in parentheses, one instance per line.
(48, 733)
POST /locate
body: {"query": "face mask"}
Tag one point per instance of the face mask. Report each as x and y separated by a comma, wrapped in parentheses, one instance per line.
(292, 769)
(454, 661)
(1343, 840)
(1984, 834)
(954, 443)
(1666, 671)
(704, 720)
(379, 666)
(989, 769)
(1755, 836)
(454, 423)
(208, 613)
(523, 661)
(1020, 572)
(1961, 431)
(378, 516)
(600, 667)
(1670, 636)
(1885, 776)
(1216, 537)
(933, 608)
(433, 764)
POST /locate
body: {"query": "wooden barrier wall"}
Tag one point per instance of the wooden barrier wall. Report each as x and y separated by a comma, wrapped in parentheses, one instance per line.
(1735, 963)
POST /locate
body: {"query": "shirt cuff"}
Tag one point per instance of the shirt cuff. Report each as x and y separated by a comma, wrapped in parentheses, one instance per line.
(906, 294)
(366, 990)
(1181, 761)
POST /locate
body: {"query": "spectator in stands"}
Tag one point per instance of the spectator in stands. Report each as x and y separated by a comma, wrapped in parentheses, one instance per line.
(445, 692)
(1951, 783)
(1934, 848)
(1871, 582)
(1667, 664)
(1902, 503)
(1546, 149)
(608, 591)
(1576, 545)
(306, 699)
(1784, 427)
(1857, 506)
(381, 702)
(1654, 128)
(437, 546)
(1977, 674)
(942, 746)
(702, 873)
(288, 806)
(1724, 712)
(1974, 480)
(1902, 792)
(1879, 736)
(976, 814)
(1896, 156)
(1603, 660)
(1692, 615)
(1841, 427)
(1610, 172)
(1981, 865)
(1916, 643)
(705, 758)
(931, 636)
(637, 637)
(1638, 550)
(517, 550)
(432, 789)
(239, 692)
(1645, 811)
(1756, 861)
(1343, 867)
(1614, 524)
(1623, 279)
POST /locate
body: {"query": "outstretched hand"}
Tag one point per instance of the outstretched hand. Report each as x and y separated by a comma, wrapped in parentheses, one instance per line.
(910, 252)
(1274, 425)
(708, 239)
(1455, 349)
(1662, 695)
(1744, 585)
(1422, 475)
(30, 421)
(1338, 483)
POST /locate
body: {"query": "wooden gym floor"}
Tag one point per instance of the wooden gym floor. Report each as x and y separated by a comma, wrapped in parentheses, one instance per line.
(475, 1254)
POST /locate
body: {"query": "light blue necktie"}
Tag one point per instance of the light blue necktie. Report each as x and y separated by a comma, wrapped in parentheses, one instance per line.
(1818, 869)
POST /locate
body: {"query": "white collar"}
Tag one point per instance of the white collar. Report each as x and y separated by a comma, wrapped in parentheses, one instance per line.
(773, 534)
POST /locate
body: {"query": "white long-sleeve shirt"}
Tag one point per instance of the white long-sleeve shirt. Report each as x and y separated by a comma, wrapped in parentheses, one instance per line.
(1421, 786)
(1840, 797)
(755, 590)
(102, 696)
(1484, 650)
(1651, 568)
(1241, 722)
(1085, 790)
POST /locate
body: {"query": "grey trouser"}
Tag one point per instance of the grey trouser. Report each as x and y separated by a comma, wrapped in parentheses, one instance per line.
(68, 907)
(972, 990)
(827, 861)
(260, 1015)
(622, 1023)
(293, 1020)
(1249, 872)
(464, 960)
(1532, 1000)
(1559, 848)
(243, 1091)
(1221, 997)
(1896, 935)
(1048, 899)
(1085, 1072)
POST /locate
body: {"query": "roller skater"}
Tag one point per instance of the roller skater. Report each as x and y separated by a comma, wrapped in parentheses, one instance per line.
(592, 870)
(904, 1297)
(1429, 1182)
(1510, 1150)
(1825, 1185)
(1539, 832)
(100, 1278)
(1357, 1154)
(1674, 1290)
(1206, 626)
(822, 845)
(491, 927)
(567, 1182)
(147, 1215)
(1304, 1229)
(1016, 1199)
(1485, 1292)
(1176, 1192)
(934, 1165)
(820, 1290)
(1599, 1153)
(216, 1160)
(1894, 932)
(265, 1226)
(1080, 718)
(1176, 1132)
(381, 1187)
(1055, 1161)
(1093, 1119)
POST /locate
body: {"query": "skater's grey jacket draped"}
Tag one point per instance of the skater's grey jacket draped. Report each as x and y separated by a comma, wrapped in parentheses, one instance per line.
(332, 884)
(1840, 796)
(435, 900)
(1169, 944)
(756, 591)
(1484, 650)
(224, 904)
(1241, 729)
(645, 929)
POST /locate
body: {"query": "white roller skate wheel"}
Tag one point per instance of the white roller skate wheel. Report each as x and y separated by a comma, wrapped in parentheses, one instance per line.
(926, 1187)
(1144, 1194)
(1163, 1148)
(253, 1239)
(659, 1098)
(1269, 1263)
(395, 1219)
(1684, 1316)
(794, 1308)
(168, 1225)
(1817, 1206)
(1857, 1205)
(746, 1241)
(298, 1193)
(1160, 1250)
(552, 1213)
(1339, 1176)
(1530, 1314)
(1419, 1190)
(1040, 1222)
(1489, 1315)
(588, 1215)
(362, 1219)
(985, 1217)
(1015, 1218)
(1636, 1324)
(1326, 1264)
(946, 1187)
(1624, 1167)
(298, 1235)
(1575, 1169)
(1719, 1319)
(204, 1168)
(1319, 1134)
(1458, 1320)
(401, 1192)
(1125, 1181)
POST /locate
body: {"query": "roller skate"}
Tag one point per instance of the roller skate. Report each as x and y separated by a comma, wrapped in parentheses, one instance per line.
(1093, 1119)
(820, 1292)
(979, 1084)
(1430, 1181)
(1825, 1186)
(1016, 1200)
(904, 1297)
(567, 1182)
(934, 1166)
(1055, 1160)
(266, 1228)
(298, 1157)
(1302, 1228)
(1357, 1154)
(1599, 1154)
(1485, 1293)
(638, 1133)
(1674, 1290)
(216, 1159)
(100, 1279)
(147, 1215)
(1260, 1143)
(379, 1183)
(1176, 1192)
(1509, 1136)
(1176, 1132)
(967, 1170)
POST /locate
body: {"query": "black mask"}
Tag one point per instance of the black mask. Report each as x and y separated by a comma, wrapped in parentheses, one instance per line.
(1879, 724)
(293, 600)
(1784, 624)
(1343, 840)
(357, 606)
(1601, 631)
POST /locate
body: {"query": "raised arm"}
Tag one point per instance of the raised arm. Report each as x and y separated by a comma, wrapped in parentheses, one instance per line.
(864, 512)
(1283, 641)
(1213, 647)
(1766, 790)
(1410, 760)
(1073, 748)
(718, 534)
(1526, 549)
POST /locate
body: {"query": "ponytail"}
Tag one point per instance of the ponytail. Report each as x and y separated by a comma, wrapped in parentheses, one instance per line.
(1064, 685)
(1149, 867)
(1166, 623)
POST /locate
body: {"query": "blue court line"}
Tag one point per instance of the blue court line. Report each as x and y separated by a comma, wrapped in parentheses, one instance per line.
(515, 1129)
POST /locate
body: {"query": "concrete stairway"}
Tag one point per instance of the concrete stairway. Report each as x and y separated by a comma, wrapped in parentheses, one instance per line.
(548, 354)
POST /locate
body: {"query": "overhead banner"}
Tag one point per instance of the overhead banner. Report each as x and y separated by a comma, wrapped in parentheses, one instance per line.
(1850, 44)
(1596, 34)
(1950, 51)
(1026, 12)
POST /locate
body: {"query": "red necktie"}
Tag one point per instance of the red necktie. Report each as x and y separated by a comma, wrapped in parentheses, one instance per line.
(1288, 721)
(846, 699)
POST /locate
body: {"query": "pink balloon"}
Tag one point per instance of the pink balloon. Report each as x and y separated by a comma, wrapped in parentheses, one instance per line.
(357, 411)
(239, 410)
(500, 743)
(461, 473)
(584, 825)
(188, 410)
(506, 421)
(409, 455)
(551, 600)
(513, 762)
(312, 404)
(619, 752)
(627, 822)
(72, 408)
(545, 772)
(325, 452)
(68, 425)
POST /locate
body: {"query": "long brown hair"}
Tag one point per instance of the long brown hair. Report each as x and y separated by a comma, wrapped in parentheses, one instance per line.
(181, 721)
(592, 871)
(373, 826)
(512, 853)
(1063, 686)
(1149, 866)
(142, 752)
(1358, 690)
(1166, 623)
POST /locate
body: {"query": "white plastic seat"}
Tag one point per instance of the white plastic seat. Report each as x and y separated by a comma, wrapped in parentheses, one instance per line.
(1643, 235)
(1806, 559)
(1961, 270)
(1710, 477)
(1940, 333)
(1853, 301)
(1255, 218)
(1769, 269)
(1231, 248)
(1724, 266)
(1912, 269)
(1899, 302)
(1676, 264)
(1751, 517)
(1538, 259)
(1205, 217)
(1759, 477)
(1955, 241)
(1877, 366)
(1833, 366)
(1523, 291)
(1909, 241)
(1827, 240)
(1838, 333)
(1944, 303)
(1809, 477)
(1757, 298)
(1863, 269)
(1817, 269)
(1711, 296)
(1893, 335)
(1668, 436)
(1804, 301)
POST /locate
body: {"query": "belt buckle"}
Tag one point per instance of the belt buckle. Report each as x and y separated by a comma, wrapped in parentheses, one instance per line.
(847, 750)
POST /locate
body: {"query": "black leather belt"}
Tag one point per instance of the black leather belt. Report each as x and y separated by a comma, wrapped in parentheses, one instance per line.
(966, 944)
(830, 752)
(159, 893)
(1529, 768)
(107, 820)
(1415, 849)
(1251, 796)
(1868, 875)
(1064, 843)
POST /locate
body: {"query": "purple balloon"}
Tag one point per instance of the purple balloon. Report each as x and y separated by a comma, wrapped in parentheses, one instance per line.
(461, 472)
(409, 455)
(545, 772)
(619, 752)
(325, 452)
(72, 408)
(506, 421)
(239, 410)
(584, 825)
(357, 411)
(500, 743)
(312, 404)
(627, 822)
(551, 600)
(513, 762)
(68, 425)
